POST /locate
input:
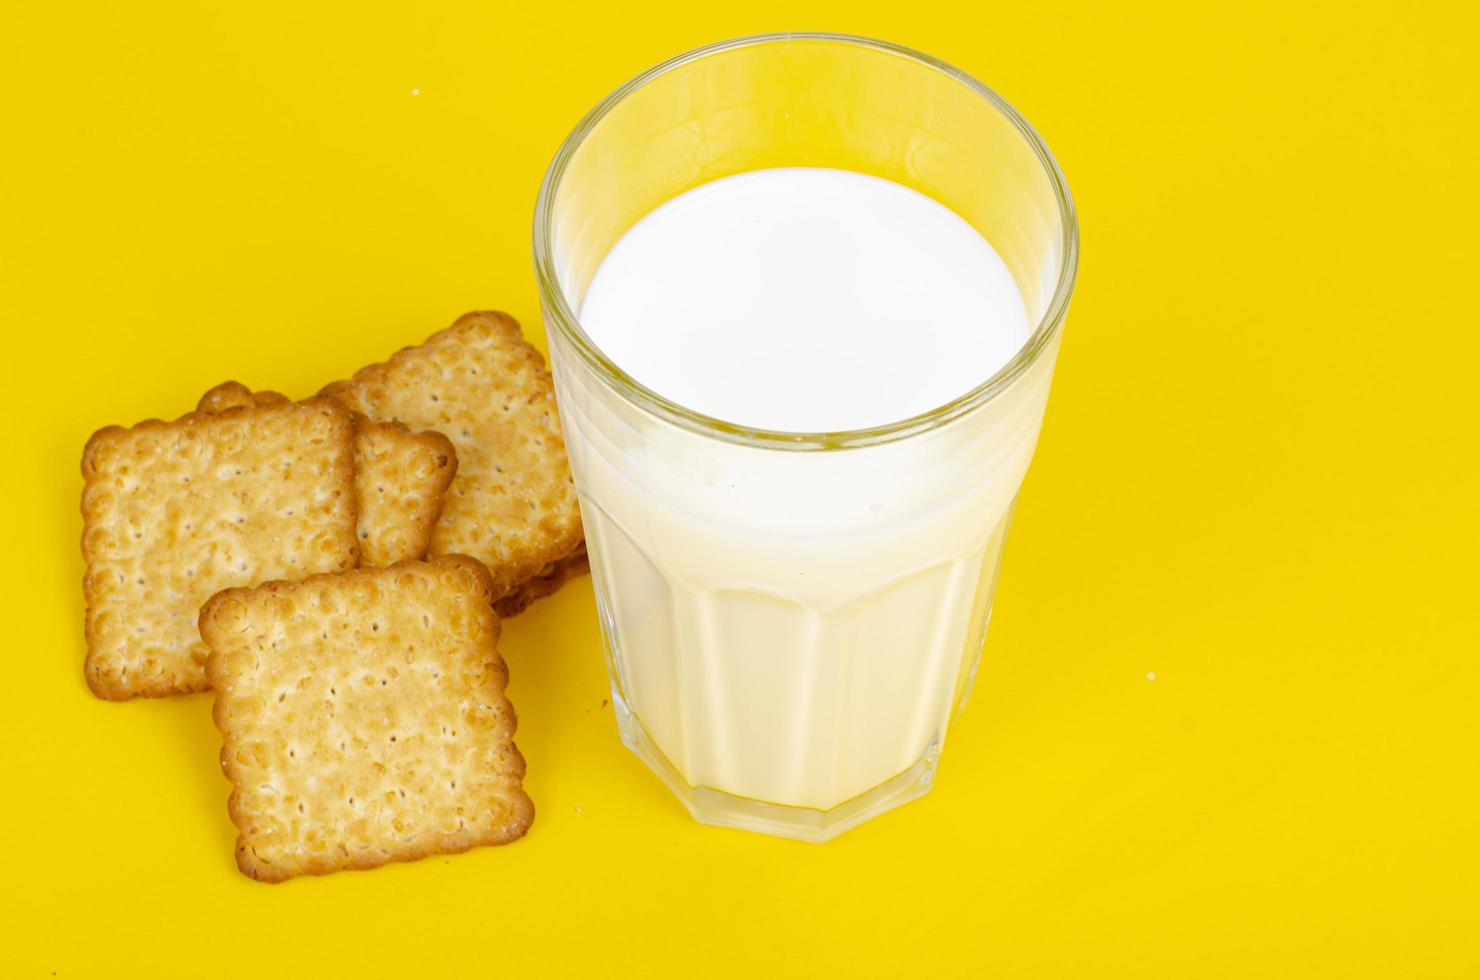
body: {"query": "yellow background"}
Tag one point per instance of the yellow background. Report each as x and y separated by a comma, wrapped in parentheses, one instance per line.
(1257, 479)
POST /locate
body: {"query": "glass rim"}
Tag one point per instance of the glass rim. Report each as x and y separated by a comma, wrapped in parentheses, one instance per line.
(558, 307)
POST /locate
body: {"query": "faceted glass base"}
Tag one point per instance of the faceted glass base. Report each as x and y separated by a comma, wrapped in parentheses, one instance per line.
(720, 809)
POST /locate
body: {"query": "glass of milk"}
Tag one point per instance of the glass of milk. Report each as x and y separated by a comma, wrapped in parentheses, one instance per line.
(803, 295)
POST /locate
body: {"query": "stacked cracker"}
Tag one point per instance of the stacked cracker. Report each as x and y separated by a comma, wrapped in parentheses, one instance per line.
(514, 507)
(335, 570)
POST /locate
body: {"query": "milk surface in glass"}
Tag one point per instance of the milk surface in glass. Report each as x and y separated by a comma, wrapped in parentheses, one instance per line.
(794, 627)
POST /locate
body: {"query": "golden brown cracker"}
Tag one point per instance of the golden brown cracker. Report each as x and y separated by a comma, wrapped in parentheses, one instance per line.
(401, 477)
(513, 505)
(401, 481)
(364, 718)
(173, 512)
(234, 394)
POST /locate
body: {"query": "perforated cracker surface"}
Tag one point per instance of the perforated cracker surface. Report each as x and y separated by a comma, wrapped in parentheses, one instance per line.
(401, 481)
(173, 512)
(512, 504)
(364, 719)
(401, 478)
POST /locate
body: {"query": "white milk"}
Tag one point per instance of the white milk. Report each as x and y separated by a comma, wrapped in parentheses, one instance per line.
(794, 627)
(805, 299)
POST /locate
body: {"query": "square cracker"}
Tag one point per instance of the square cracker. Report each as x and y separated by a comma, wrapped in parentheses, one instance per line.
(513, 505)
(401, 477)
(173, 512)
(363, 718)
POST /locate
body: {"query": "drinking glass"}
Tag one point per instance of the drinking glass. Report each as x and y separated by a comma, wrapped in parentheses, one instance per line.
(790, 618)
